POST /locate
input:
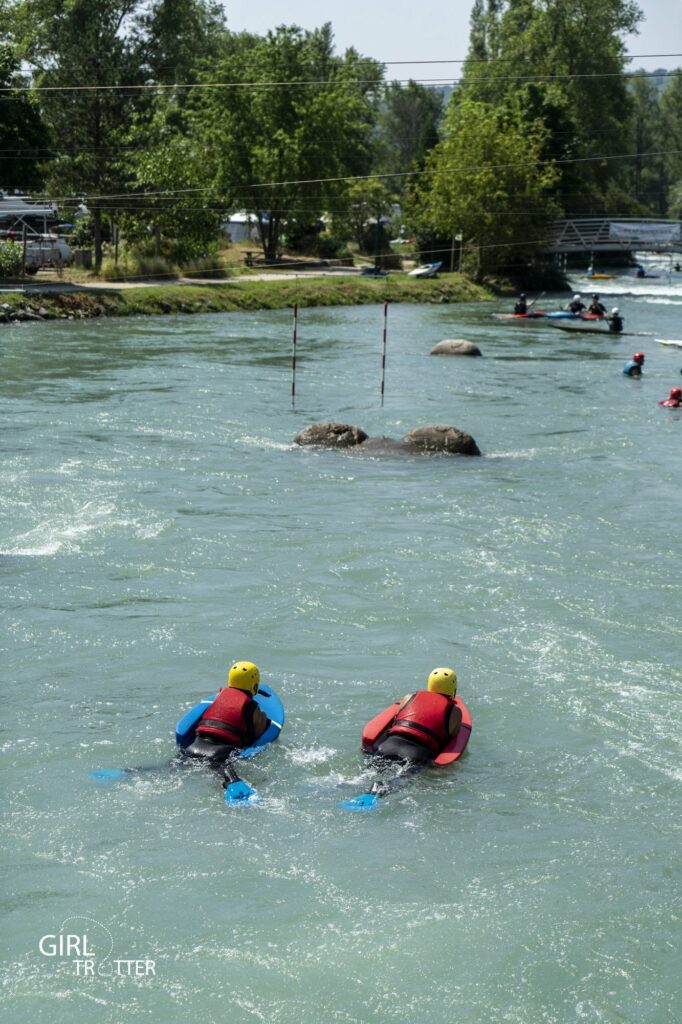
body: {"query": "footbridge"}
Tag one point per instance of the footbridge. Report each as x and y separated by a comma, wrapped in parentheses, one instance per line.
(604, 234)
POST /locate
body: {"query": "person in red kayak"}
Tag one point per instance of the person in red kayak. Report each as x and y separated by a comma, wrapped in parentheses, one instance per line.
(425, 721)
(233, 720)
(521, 307)
(595, 307)
(674, 399)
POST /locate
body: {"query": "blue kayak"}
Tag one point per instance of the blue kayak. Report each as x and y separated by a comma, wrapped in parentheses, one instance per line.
(266, 699)
(563, 314)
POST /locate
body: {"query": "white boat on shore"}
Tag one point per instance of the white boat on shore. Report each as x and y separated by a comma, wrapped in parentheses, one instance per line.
(426, 270)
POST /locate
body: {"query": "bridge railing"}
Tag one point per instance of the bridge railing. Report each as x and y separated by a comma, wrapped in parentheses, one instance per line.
(600, 234)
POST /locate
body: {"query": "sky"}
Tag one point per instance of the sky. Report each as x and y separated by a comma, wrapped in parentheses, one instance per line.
(428, 30)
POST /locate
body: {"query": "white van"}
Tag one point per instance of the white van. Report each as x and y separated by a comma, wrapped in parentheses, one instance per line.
(47, 251)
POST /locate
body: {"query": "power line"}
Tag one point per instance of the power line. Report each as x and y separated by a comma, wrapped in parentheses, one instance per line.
(168, 193)
(331, 82)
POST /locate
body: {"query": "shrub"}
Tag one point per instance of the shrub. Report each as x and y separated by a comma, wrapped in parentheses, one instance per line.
(11, 255)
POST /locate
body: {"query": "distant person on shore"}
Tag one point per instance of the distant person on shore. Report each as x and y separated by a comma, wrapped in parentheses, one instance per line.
(521, 307)
(576, 305)
(595, 307)
(633, 367)
(615, 321)
(674, 399)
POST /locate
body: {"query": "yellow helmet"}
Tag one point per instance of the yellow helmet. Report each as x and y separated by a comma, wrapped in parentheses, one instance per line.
(443, 680)
(244, 675)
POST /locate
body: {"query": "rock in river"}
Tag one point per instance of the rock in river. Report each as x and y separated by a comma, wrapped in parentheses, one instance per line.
(455, 347)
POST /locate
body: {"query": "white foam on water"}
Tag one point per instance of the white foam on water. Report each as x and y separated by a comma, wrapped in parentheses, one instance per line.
(311, 755)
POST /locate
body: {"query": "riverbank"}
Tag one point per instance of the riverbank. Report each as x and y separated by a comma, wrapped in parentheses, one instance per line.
(85, 302)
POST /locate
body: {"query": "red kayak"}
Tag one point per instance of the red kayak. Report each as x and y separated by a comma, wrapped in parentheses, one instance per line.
(375, 731)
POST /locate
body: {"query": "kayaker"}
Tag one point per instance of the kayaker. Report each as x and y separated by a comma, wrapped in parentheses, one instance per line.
(595, 307)
(576, 305)
(640, 271)
(425, 721)
(233, 720)
(633, 367)
(674, 399)
(521, 307)
(615, 321)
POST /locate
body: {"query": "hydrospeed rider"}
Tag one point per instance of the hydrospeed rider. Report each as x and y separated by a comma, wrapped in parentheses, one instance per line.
(233, 720)
(425, 721)
(633, 367)
(674, 399)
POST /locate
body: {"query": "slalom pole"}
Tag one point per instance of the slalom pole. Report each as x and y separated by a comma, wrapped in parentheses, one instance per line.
(383, 355)
(293, 357)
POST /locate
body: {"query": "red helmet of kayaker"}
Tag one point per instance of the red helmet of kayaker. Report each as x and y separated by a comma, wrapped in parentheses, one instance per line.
(638, 358)
(675, 394)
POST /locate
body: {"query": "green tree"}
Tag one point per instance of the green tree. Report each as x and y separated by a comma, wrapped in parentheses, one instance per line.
(177, 38)
(407, 126)
(486, 182)
(23, 136)
(671, 134)
(167, 178)
(81, 55)
(648, 173)
(369, 201)
(298, 122)
(563, 63)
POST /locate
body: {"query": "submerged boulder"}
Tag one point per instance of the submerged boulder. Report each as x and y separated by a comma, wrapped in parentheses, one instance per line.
(441, 438)
(331, 435)
(455, 347)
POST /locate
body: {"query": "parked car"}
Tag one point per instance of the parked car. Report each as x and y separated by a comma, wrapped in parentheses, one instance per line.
(47, 251)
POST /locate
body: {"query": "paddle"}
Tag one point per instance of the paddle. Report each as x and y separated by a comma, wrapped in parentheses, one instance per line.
(236, 790)
(536, 299)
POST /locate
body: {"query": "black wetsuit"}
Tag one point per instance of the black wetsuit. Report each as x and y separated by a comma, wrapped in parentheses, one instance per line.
(209, 749)
(399, 748)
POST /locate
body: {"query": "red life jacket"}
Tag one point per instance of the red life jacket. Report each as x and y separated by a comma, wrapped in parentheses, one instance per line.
(424, 720)
(227, 718)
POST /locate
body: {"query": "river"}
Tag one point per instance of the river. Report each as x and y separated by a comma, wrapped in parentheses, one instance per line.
(158, 523)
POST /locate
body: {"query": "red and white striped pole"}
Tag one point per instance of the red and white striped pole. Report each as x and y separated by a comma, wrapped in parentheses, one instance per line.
(383, 355)
(293, 357)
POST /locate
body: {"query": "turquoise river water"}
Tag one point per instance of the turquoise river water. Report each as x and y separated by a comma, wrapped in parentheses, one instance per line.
(158, 523)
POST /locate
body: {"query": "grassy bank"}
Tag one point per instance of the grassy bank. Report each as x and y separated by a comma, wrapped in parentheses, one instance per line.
(235, 296)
